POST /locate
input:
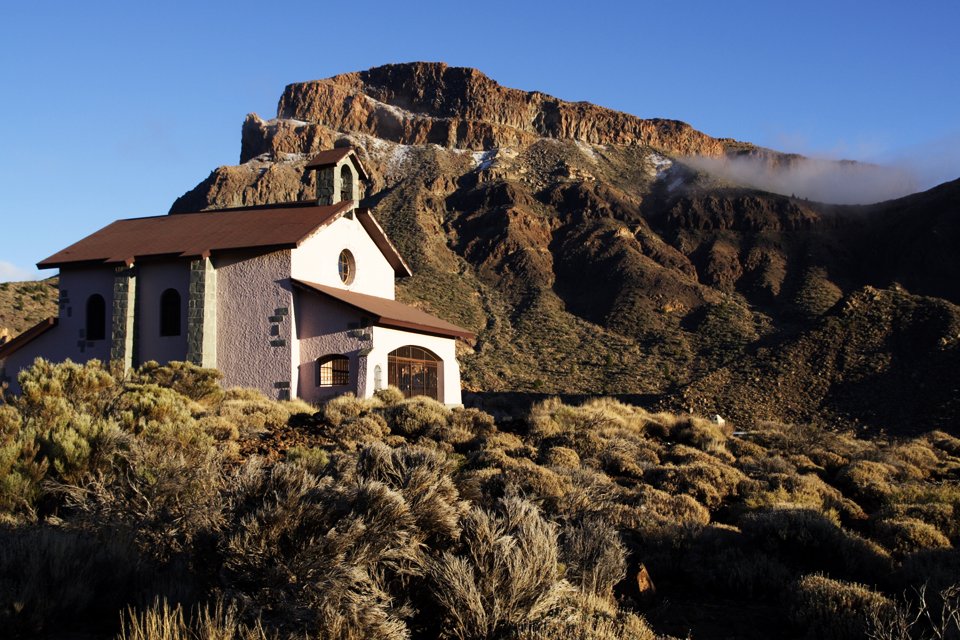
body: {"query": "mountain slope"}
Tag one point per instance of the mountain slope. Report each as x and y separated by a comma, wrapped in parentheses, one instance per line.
(577, 243)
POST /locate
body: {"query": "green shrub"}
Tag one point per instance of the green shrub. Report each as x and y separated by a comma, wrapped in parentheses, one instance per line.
(20, 471)
(196, 383)
(252, 412)
(833, 609)
(311, 459)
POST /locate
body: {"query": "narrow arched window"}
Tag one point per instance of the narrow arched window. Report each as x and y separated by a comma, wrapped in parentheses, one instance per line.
(96, 317)
(346, 184)
(170, 313)
(333, 371)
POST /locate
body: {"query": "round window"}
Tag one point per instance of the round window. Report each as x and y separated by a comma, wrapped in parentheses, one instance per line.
(347, 266)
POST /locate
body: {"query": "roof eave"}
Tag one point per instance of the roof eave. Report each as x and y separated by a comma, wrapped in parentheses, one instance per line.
(28, 336)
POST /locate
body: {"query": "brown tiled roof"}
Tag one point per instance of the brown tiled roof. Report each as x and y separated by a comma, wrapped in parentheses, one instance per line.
(198, 234)
(28, 336)
(390, 313)
(331, 157)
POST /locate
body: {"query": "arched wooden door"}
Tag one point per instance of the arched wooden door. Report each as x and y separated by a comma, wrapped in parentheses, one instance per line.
(415, 371)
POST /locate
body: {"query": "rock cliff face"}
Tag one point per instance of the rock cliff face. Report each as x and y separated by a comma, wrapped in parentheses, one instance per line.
(456, 107)
(589, 257)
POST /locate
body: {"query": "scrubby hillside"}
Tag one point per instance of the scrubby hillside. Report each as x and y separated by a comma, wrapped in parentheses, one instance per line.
(23, 304)
(163, 501)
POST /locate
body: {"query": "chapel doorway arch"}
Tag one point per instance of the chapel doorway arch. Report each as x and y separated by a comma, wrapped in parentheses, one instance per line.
(415, 371)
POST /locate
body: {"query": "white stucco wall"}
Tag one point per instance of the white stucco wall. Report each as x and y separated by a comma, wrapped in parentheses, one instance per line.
(254, 341)
(317, 259)
(323, 328)
(386, 340)
(153, 278)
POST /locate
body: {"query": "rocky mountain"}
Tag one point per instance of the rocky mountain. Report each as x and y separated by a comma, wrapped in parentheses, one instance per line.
(591, 257)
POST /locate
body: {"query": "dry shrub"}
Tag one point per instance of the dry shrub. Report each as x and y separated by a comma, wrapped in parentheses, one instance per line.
(903, 536)
(466, 425)
(252, 412)
(311, 459)
(389, 395)
(945, 442)
(594, 556)
(647, 509)
(833, 609)
(64, 412)
(161, 621)
(703, 435)
(627, 457)
(422, 478)
(709, 484)
(793, 490)
(50, 391)
(915, 460)
(583, 623)
(334, 558)
(54, 580)
(717, 560)
(920, 613)
(187, 379)
(810, 541)
(504, 573)
(417, 416)
(365, 429)
(870, 483)
(517, 475)
(344, 408)
(560, 457)
(945, 516)
(553, 419)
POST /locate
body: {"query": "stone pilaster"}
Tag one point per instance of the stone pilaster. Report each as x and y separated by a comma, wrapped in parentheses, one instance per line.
(123, 314)
(202, 314)
(327, 191)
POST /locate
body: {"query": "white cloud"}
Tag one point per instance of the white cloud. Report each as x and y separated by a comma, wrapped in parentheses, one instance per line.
(10, 272)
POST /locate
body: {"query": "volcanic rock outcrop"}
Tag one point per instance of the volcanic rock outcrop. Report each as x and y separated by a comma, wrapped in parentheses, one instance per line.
(590, 258)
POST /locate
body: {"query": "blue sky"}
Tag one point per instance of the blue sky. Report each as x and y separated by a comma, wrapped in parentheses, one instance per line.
(113, 109)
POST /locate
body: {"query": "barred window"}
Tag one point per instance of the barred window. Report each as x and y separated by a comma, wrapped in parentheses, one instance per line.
(333, 371)
(414, 370)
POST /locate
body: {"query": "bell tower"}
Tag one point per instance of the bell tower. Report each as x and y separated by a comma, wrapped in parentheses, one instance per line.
(339, 175)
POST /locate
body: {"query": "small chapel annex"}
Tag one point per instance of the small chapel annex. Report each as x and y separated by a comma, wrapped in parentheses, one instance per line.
(295, 299)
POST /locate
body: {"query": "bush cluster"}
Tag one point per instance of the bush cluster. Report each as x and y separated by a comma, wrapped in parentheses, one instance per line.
(161, 506)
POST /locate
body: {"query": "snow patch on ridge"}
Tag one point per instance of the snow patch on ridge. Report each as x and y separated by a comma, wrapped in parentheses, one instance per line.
(483, 160)
(661, 165)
